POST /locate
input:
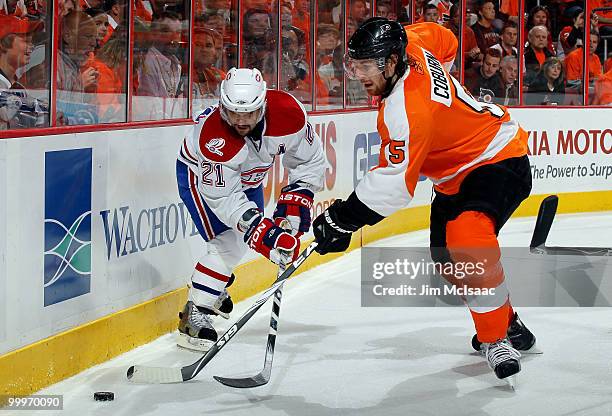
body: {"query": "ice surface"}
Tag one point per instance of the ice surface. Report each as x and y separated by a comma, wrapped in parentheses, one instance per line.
(334, 357)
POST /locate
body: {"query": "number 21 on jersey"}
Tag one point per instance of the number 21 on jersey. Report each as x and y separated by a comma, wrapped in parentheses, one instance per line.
(209, 169)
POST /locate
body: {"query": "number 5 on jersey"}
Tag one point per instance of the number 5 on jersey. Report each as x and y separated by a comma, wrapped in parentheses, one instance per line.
(207, 169)
(397, 152)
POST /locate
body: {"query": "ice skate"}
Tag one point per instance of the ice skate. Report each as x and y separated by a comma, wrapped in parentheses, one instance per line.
(503, 359)
(195, 329)
(519, 335)
(224, 304)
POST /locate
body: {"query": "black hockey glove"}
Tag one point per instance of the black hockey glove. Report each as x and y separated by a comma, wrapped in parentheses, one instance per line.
(334, 227)
(331, 234)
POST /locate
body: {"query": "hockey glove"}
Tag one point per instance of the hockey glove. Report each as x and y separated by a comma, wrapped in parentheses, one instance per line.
(270, 240)
(331, 234)
(294, 205)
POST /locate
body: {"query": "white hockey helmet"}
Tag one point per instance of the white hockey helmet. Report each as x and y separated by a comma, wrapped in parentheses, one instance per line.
(243, 91)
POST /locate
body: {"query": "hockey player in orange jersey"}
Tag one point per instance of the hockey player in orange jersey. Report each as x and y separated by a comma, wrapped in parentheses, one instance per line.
(474, 153)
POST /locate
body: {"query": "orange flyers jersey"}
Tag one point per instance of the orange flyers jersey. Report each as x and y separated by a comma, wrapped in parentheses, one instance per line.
(430, 125)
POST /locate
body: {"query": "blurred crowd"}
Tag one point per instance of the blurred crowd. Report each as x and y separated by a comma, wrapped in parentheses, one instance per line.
(93, 53)
(553, 55)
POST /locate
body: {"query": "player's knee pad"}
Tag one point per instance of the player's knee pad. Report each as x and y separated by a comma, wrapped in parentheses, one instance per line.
(229, 246)
(472, 242)
(471, 229)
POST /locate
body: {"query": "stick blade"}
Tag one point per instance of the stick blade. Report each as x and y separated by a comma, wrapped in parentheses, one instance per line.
(546, 215)
(244, 383)
(154, 375)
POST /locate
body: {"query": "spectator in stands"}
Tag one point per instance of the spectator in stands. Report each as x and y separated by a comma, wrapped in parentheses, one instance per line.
(216, 22)
(78, 41)
(507, 93)
(65, 7)
(536, 52)
(143, 13)
(384, 9)
(571, 36)
(17, 108)
(471, 51)
(486, 36)
(507, 42)
(294, 69)
(260, 44)
(329, 58)
(508, 11)
(301, 16)
(160, 74)
(115, 11)
(358, 13)
(443, 7)
(419, 10)
(483, 82)
(548, 87)
(603, 89)
(431, 14)
(539, 16)
(286, 16)
(604, 17)
(110, 62)
(574, 61)
(608, 63)
(101, 20)
(207, 77)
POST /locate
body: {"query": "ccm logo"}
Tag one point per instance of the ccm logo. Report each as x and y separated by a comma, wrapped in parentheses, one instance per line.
(299, 199)
(225, 338)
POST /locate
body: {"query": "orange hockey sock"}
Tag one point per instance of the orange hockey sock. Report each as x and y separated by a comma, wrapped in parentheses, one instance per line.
(471, 238)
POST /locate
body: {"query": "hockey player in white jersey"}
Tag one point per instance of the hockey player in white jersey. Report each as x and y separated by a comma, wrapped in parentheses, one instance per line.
(220, 169)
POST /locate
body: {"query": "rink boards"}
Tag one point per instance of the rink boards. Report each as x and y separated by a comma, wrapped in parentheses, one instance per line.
(96, 248)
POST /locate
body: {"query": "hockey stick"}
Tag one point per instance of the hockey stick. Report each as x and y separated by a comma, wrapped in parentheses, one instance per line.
(264, 375)
(546, 215)
(145, 374)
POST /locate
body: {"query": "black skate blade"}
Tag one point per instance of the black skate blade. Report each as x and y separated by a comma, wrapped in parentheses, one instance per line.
(243, 383)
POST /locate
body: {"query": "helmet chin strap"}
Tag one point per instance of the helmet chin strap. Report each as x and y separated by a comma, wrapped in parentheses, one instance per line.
(400, 69)
(390, 83)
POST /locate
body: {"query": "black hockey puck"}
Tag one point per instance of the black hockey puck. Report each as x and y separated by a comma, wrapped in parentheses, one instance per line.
(104, 396)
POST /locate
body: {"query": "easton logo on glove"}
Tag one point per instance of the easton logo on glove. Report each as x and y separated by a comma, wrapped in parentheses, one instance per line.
(294, 205)
(297, 199)
(266, 237)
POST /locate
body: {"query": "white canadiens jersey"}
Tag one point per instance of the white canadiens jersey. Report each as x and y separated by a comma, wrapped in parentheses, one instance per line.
(225, 163)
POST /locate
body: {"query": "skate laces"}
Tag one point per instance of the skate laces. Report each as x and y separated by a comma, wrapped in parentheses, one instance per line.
(500, 351)
(198, 318)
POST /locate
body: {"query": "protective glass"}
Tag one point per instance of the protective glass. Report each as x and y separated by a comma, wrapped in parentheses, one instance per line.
(363, 68)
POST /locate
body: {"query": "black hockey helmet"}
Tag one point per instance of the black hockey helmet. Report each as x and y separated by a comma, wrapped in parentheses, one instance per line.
(377, 39)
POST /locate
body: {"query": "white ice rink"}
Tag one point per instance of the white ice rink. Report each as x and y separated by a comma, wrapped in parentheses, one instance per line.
(334, 357)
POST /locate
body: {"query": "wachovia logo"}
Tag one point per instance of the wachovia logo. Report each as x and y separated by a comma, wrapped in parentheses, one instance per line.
(67, 256)
(215, 146)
